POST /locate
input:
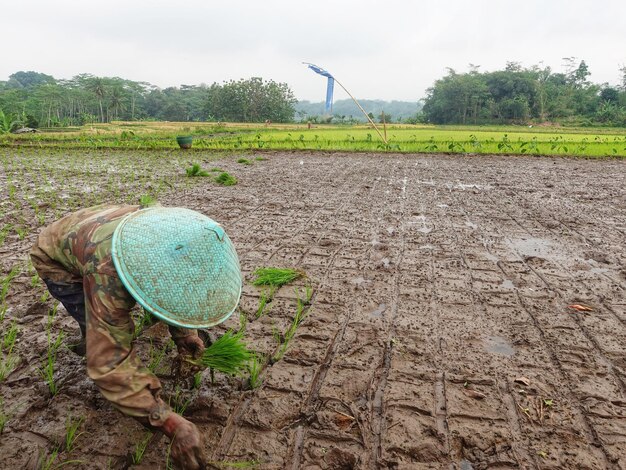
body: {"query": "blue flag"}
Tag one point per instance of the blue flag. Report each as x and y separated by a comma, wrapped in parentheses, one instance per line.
(329, 87)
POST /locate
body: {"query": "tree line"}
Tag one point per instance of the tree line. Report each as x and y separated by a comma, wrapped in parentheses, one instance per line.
(38, 100)
(525, 95)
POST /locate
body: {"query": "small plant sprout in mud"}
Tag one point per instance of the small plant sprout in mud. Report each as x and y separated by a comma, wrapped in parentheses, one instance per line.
(5, 284)
(229, 354)
(8, 363)
(5, 414)
(147, 200)
(177, 402)
(156, 356)
(225, 464)
(195, 170)
(291, 331)
(140, 449)
(9, 338)
(244, 161)
(264, 299)
(226, 179)
(71, 432)
(50, 462)
(47, 372)
(254, 367)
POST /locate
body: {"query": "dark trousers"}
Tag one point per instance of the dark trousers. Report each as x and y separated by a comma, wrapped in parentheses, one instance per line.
(72, 296)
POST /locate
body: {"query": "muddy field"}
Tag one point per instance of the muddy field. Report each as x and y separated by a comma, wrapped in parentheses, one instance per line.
(439, 334)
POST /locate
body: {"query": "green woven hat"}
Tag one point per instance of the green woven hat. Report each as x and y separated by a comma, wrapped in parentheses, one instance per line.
(179, 265)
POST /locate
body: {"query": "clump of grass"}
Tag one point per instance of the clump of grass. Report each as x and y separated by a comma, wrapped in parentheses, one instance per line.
(9, 337)
(240, 464)
(229, 354)
(264, 300)
(244, 161)
(260, 159)
(147, 200)
(195, 170)
(71, 432)
(291, 331)
(140, 449)
(8, 363)
(254, 367)
(226, 179)
(275, 277)
(47, 372)
(216, 170)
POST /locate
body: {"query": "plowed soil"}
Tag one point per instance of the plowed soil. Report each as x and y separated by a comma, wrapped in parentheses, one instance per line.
(440, 333)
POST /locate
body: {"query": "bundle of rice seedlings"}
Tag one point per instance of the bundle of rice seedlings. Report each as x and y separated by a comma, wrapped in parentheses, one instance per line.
(275, 277)
(229, 354)
(195, 170)
(226, 179)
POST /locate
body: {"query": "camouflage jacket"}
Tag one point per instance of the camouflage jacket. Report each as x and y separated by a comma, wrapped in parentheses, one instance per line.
(77, 249)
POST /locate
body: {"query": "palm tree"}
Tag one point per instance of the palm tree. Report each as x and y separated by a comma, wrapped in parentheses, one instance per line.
(97, 86)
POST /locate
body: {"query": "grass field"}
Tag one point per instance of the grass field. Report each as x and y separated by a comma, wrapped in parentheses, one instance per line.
(586, 142)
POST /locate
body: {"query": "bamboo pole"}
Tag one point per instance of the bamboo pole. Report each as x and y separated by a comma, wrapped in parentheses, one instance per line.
(362, 110)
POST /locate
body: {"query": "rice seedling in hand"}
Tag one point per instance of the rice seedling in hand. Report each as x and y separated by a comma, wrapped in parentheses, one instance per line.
(226, 179)
(229, 354)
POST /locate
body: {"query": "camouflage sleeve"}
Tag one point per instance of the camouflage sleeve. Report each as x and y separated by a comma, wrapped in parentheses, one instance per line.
(111, 360)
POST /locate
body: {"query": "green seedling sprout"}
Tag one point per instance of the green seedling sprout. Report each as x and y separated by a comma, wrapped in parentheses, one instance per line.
(147, 200)
(140, 449)
(244, 161)
(226, 179)
(9, 338)
(241, 464)
(71, 432)
(47, 372)
(255, 367)
(229, 354)
(8, 363)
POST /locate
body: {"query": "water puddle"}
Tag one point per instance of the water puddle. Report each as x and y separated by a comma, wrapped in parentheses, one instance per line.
(378, 312)
(499, 345)
(472, 225)
(537, 247)
(507, 284)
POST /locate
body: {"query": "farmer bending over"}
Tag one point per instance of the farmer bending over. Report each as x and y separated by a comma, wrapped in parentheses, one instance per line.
(178, 264)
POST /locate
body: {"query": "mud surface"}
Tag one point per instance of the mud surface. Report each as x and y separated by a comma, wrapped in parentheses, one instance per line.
(438, 335)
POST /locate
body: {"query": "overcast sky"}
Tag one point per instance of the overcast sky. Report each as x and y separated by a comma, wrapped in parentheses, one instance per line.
(391, 49)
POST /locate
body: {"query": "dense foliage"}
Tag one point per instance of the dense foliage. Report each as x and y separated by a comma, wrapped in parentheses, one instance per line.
(346, 111)
(522, 95)
(35, 99)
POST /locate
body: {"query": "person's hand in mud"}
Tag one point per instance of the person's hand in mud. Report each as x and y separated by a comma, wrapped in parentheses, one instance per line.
(186, 447)
(191, 345)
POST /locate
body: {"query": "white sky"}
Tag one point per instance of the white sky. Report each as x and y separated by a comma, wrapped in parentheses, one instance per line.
(391, 49)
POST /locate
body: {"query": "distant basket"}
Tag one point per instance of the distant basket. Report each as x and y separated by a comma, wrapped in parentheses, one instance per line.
(184, 141)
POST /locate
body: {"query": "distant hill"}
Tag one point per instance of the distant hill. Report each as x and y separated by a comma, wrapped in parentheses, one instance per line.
(398, 110)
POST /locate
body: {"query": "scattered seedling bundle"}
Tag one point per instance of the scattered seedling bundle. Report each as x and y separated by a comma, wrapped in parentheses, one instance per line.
(226, 179)
(275, 277)
(195, 170)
